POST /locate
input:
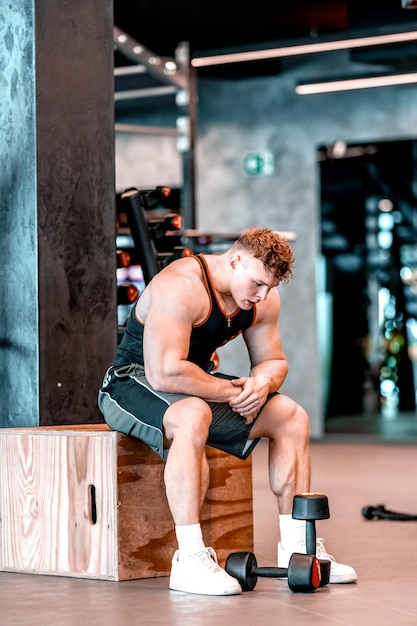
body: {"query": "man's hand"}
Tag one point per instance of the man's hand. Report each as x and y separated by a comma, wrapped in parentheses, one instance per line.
(253, 396)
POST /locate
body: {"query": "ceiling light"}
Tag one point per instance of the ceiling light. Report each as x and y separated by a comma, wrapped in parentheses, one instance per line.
(339, 149)
(356, 83)
(385, 205)
(306, 48)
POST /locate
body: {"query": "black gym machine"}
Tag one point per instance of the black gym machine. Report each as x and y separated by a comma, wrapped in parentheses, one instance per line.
(305, 572)
(153, 237)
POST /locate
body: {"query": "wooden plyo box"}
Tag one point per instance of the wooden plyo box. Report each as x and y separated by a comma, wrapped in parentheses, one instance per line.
(87, 502)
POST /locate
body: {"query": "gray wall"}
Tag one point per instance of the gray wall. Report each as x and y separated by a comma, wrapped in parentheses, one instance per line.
(265, 114)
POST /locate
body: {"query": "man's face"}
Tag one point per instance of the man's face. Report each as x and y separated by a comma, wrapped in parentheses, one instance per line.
(251, 282)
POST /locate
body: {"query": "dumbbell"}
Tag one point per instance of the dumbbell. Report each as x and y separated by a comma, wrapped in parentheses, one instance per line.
(380, 512)
(303, 571)
(311, 507)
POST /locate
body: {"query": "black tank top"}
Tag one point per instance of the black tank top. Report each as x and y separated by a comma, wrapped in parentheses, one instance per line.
(216, 330)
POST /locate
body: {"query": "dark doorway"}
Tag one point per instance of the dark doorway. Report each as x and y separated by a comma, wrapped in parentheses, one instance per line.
(369, 248)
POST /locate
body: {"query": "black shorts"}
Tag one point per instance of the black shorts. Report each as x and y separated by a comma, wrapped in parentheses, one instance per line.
(130, 405)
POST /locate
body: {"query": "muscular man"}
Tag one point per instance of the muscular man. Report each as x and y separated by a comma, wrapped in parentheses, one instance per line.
(159, 389)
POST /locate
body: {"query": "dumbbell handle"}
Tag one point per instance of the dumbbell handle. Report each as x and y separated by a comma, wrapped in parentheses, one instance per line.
(270, 572)
(311, 539)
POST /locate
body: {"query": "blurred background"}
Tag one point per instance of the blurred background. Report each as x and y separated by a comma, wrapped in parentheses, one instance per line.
(300, 116)
(335, 165)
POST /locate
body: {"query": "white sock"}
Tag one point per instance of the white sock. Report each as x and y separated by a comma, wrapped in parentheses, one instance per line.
(292, 531)
(190, 539)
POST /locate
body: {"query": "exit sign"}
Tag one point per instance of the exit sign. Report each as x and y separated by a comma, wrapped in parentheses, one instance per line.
(259, 163)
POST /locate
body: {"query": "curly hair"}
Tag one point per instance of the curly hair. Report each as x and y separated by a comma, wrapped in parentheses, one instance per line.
(271, 248)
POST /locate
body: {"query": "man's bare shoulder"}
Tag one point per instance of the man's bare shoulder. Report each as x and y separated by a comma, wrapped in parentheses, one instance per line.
(185, 271)
(178, 284)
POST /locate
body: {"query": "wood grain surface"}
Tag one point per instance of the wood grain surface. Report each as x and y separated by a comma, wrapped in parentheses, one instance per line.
(84, 501)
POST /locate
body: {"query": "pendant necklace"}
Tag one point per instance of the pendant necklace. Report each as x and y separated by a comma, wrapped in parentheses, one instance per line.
(228, 317)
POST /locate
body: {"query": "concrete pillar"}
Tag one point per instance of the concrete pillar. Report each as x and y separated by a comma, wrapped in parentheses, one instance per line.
(58, 323)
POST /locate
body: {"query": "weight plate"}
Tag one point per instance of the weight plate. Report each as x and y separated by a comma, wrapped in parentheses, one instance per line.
(303, 573)
(242, 566)
(310, 506)
(325, 572)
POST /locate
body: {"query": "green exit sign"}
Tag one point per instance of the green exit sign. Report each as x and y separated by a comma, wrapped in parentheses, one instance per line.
(259, 163)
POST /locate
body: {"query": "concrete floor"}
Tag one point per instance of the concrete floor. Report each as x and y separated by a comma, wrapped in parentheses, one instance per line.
(352, 475)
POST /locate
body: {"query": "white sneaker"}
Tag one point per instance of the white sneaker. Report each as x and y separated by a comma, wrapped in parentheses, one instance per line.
(339, 573)
(200, 573)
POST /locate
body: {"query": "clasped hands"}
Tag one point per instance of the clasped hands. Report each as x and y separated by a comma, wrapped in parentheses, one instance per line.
(251, 398)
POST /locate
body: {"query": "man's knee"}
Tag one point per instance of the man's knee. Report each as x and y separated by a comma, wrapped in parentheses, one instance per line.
(188, 418)
(284, 414)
